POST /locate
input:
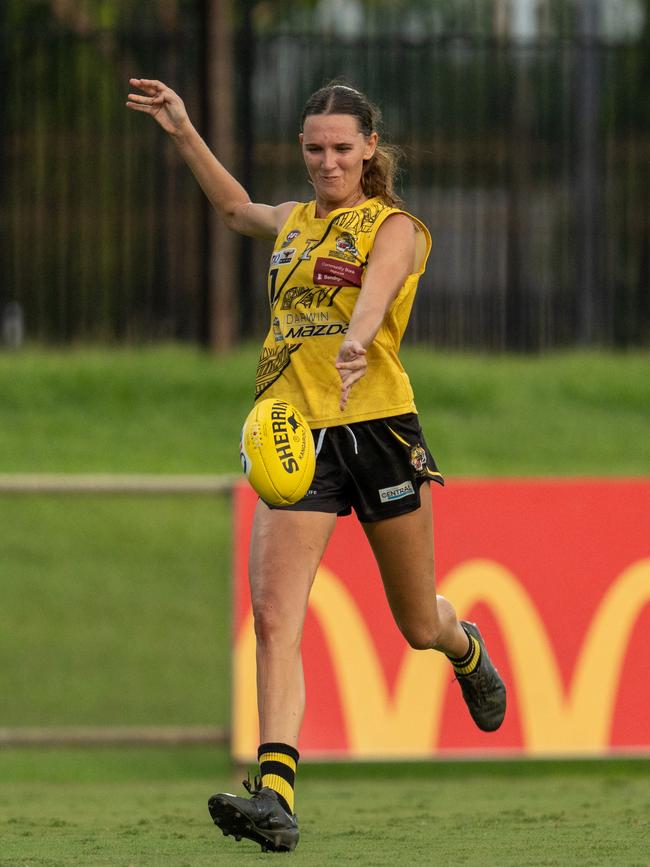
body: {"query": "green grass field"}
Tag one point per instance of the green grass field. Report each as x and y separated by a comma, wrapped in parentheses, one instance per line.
(148, 808)
(115, 610)
(176, 409)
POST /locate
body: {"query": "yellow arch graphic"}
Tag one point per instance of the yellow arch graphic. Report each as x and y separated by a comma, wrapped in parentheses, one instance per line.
(406, 723)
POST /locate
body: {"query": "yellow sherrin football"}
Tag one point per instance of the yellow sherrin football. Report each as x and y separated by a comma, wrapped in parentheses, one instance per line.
(277, 452)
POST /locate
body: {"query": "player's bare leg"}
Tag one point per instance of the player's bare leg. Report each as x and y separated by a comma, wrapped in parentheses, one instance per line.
(286, 548)
(403, 548)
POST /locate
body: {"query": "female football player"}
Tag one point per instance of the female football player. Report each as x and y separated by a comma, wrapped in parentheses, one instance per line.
(351, 259)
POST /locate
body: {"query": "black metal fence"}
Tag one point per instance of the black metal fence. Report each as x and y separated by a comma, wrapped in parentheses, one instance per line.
(528, 155)
(101, 225)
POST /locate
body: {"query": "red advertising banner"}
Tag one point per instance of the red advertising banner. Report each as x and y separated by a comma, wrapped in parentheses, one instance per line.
(557, 575)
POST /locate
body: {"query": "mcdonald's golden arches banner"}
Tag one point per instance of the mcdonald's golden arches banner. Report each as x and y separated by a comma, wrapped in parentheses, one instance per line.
(557, 574)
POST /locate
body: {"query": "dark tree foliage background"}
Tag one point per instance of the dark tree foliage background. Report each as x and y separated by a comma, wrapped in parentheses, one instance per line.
(525, 127)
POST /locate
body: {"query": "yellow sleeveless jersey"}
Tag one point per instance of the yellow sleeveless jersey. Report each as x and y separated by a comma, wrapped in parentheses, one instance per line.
(315, 276)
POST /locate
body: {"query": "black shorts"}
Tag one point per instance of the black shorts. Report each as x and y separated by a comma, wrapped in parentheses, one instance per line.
(374, 467)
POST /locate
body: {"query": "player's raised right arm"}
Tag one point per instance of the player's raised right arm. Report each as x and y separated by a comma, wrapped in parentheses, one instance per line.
(223, 190)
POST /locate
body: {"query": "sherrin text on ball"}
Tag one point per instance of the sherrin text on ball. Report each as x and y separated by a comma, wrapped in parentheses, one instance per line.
(277, 452)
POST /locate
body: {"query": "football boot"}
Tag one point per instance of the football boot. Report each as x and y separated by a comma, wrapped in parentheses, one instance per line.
(260, 818)
(483, 690)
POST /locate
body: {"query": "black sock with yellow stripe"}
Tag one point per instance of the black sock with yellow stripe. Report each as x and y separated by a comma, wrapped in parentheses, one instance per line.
(464, 665)
(278, 763)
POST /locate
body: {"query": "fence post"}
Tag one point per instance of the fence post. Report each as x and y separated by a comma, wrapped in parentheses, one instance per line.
(246, 65)
(219, 108)
(588, 218)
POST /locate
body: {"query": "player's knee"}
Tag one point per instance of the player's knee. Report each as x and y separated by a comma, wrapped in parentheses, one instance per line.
(420, 636)
(273, 628)
(268, 625)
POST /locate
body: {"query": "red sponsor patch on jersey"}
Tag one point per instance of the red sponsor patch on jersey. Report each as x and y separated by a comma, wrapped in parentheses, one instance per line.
(332, 272)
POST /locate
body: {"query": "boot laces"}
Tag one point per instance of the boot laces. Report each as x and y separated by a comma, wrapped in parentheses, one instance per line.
(254, 787)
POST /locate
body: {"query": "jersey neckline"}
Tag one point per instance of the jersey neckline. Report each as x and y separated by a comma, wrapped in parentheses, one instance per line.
(313, 204)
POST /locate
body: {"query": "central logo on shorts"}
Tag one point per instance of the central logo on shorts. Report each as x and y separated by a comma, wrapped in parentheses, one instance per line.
(387, 495)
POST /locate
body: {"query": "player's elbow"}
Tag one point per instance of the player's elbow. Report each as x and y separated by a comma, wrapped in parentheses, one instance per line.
(233, 214)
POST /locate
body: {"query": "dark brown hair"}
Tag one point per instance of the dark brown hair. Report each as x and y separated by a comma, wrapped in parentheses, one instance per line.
(380, 171)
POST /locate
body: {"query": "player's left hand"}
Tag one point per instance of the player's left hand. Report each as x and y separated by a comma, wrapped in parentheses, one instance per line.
(351, 364)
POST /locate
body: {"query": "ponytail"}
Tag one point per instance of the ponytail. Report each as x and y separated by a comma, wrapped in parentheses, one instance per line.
(379, 173)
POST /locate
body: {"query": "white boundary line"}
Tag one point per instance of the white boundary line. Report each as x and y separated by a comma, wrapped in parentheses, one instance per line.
(107, 736)
(73, 483)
